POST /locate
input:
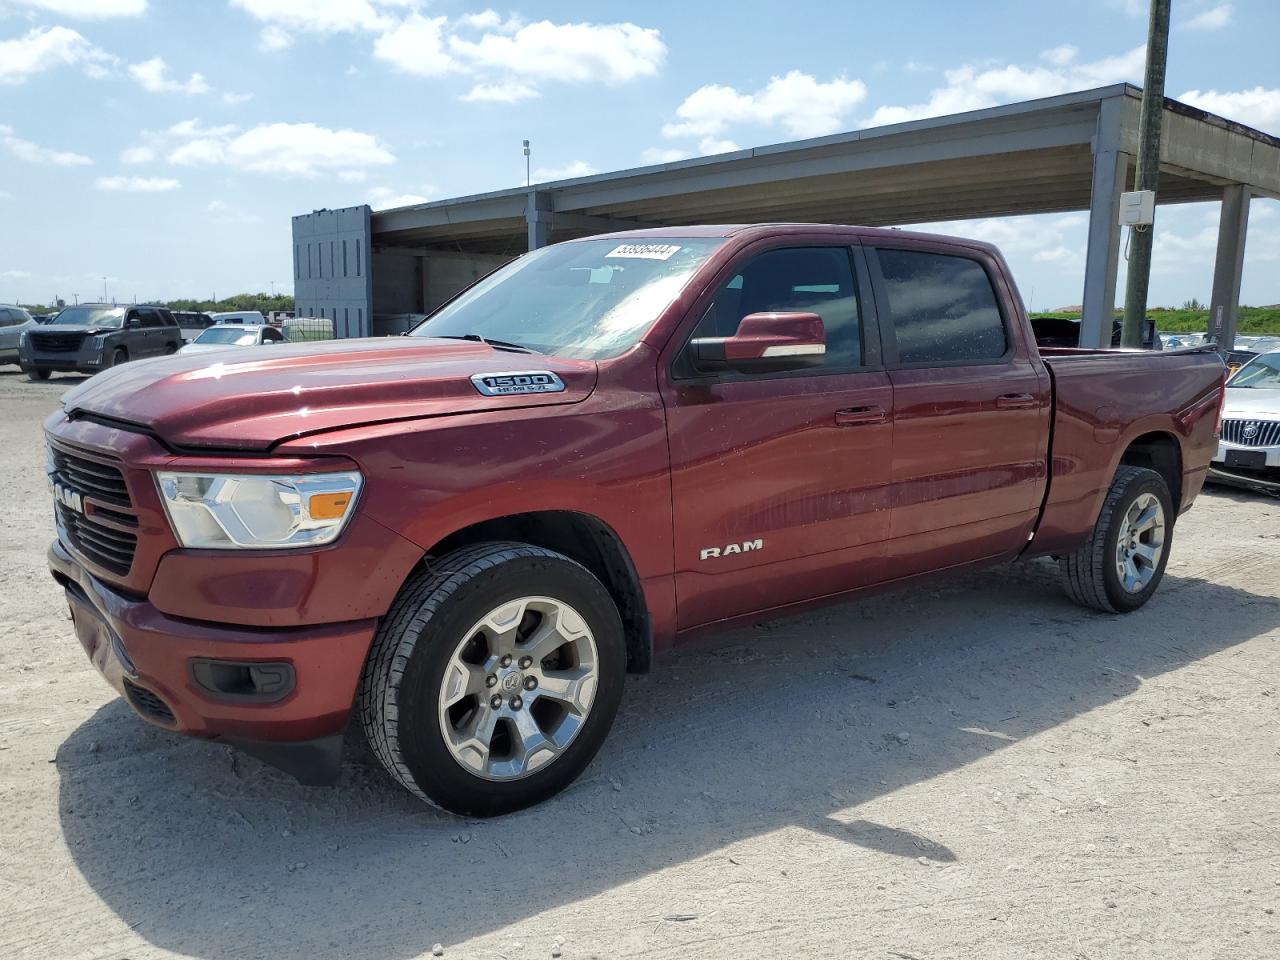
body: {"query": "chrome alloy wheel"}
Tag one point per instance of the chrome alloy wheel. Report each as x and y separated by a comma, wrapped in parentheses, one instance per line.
(518, 688)
(1140, 543)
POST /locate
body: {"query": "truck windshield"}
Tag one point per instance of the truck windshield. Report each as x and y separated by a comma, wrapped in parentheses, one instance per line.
(91, 316)
(1260, 373)
(589, 299)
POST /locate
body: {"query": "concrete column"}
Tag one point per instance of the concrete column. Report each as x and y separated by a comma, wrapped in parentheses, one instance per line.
(1224, 304)
(1102, 257)
(538, 216)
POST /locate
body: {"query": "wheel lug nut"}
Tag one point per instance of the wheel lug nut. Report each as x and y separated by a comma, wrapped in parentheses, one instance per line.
(525, 662)
(490, 680)
(505, 661)
(530, 682)
(516, 703)
(495, 701)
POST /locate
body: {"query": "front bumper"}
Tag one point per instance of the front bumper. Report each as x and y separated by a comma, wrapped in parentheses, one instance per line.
(1253, 468)
(146, 655)
(76, 361)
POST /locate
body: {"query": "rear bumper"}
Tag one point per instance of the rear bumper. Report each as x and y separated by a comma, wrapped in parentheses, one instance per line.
(147, 656)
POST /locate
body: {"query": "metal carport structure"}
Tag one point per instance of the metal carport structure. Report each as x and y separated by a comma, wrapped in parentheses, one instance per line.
(1065, 153)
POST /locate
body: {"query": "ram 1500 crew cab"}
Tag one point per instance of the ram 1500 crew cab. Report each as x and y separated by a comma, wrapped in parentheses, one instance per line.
(460, 540)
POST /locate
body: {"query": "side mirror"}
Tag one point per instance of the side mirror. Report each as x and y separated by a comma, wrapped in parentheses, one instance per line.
(133, 322)
(765, 343)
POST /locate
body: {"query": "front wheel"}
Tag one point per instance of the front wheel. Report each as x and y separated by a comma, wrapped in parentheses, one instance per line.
(34, 373)
(494, 679)
(1123, 562)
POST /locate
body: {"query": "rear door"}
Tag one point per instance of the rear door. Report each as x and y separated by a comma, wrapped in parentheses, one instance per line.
(779, 479)
(971, 407)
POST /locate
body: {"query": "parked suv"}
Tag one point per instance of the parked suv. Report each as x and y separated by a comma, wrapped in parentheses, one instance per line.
(91, 336)
(14, 321)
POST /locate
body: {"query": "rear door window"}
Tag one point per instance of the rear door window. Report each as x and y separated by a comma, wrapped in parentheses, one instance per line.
(942, 308)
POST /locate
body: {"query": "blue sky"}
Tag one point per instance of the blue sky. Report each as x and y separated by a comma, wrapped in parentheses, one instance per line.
(164, 144)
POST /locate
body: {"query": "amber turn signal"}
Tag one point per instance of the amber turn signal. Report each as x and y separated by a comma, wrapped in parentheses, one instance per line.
(328, 506)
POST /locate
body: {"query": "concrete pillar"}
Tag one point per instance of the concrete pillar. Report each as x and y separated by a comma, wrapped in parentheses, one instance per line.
(538, 217)
(1102, 257)
(1224, 304)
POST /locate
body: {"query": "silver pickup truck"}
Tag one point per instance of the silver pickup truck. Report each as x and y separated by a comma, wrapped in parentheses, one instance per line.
(93, 336)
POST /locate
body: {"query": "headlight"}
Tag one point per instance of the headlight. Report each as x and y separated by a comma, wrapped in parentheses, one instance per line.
(258, 512)
(99, 341)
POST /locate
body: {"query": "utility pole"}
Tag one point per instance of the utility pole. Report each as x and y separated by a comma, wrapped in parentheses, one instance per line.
(104, 289)
(1147, 173)
(527, 178)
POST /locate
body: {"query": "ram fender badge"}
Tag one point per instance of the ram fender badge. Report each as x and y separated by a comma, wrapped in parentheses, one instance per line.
(729, 550)
(517, 382)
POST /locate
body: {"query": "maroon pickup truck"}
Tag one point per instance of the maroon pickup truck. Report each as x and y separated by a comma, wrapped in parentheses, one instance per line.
(461, 540)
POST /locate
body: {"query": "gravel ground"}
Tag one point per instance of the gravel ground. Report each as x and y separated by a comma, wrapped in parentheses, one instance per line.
(977, 769)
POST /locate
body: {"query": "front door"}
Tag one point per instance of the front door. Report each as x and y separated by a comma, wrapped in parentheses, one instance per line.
(971, 410)
(779, 481)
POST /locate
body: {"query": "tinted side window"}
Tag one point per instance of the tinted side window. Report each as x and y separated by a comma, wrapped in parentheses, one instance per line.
(6, 318)
(166, 318)
(151, 318)
(942, 308)
(800, 279)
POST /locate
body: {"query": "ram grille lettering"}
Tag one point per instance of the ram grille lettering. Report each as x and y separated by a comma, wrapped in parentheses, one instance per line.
(518, 382)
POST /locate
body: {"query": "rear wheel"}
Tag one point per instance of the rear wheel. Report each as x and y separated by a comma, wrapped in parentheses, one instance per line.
(495, 678)
(1123, 563)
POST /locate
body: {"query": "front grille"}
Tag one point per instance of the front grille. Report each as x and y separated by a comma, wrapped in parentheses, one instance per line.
(56, 342)
(108, 547)
(148, 704)
(91, 478)
(1251, 433)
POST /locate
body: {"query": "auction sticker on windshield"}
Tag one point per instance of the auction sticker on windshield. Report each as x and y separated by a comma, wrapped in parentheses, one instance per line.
(644, 251)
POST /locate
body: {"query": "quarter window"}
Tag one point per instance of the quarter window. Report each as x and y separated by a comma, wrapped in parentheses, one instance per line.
(942, 308)
(794, 280)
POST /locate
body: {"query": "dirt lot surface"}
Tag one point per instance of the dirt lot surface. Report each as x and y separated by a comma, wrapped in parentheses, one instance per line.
(976, 770)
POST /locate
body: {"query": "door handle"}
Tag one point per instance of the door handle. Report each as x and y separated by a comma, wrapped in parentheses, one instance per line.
(857, 416)
(1015, 401)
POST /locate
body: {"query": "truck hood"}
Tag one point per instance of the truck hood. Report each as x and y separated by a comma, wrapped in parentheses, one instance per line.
(255, 399)
(1245, 402)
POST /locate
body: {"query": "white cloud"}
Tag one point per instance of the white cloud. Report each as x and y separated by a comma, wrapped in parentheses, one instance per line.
(1259, 107)
(710, 145)
(608, 53)
(1060, 56)
(153, 76)
(1215, 18)
(219, 211)
(506, 91)
(579, 168)
(384, 198)
(663, 155)
(352, 176)
(273, 38)
(138, 154)
(87, 9)
(971, 88)
(316, 16)
(287, 149)
(15, 275)
(44, 48)
(234, 98)
(30, 152)
(137, 184)
(801, 105)
(417, 46)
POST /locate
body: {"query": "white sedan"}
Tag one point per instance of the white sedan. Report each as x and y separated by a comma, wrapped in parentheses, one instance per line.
(1249, 449)
(224, 336)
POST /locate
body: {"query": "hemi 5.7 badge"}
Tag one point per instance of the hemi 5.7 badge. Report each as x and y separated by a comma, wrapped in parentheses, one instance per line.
(518, 382)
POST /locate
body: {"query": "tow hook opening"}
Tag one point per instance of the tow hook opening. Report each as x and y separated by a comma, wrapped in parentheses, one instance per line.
(243, 680)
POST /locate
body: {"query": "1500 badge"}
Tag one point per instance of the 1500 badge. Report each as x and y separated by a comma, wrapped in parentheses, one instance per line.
(517, 382)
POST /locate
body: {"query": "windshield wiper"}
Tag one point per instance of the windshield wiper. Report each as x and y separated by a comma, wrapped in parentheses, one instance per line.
(488, 342)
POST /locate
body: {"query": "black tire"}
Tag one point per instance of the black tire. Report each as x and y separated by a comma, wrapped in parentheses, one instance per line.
(400, 684)
(118, 356)
(35, 374)
(1089, 575)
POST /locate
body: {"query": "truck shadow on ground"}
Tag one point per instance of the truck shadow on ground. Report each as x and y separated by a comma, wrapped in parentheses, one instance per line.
(210, 854)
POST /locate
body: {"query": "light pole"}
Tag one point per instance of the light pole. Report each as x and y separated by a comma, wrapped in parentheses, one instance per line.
(1146, 173)
(527, 179)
